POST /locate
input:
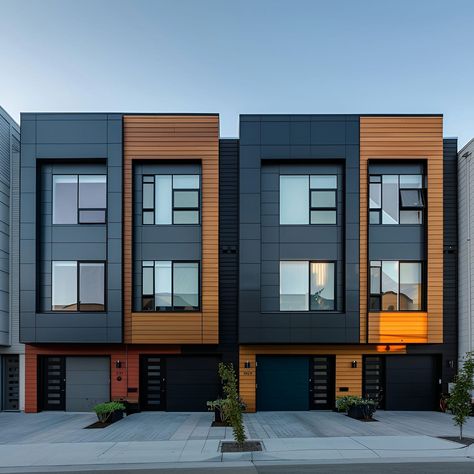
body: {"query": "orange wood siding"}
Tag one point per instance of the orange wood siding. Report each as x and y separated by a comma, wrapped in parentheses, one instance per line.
(175, 137)
(129, 372)
(346, 376)
(398, 327)
(405, 138)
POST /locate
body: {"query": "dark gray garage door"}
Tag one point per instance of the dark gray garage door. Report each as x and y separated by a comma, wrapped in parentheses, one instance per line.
(411, 382)
(191, 382)
(87, 382)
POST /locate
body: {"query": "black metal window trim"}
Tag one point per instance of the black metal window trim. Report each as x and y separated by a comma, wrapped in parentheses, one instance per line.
(78, 288)
(379, 295)
(172, 310)
(79, 209)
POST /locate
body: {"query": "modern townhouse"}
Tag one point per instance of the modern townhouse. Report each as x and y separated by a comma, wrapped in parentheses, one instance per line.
(466, 269)
(120, 276)
(11, 351)
(317, 252)
(347, 260)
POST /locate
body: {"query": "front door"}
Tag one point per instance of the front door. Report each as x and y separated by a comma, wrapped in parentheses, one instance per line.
(53, 383)
(152, 383)
(322, 387)
(11, 394)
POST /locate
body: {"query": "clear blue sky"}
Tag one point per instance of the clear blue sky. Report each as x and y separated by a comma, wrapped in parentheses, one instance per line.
(240, 56)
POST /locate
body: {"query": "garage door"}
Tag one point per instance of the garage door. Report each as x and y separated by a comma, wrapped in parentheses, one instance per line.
(411, 382)
(178, 383)
(282, 383)
(87, 382)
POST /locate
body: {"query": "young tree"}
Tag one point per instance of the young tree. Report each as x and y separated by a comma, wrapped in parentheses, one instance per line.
(460, 398)
(233, 406)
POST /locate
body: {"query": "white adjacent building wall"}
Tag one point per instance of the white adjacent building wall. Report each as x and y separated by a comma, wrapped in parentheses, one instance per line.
(466, 248)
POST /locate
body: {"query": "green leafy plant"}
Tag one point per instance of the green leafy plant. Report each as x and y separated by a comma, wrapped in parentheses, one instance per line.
(231, 406)
(460, 398)
(343, 403)
(105, 410)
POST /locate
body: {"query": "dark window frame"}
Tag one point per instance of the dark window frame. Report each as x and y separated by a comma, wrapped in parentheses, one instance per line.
(78, 208)
(378, 210)
(172, 310)
(78, 288)
(326, 208)
(371, 295)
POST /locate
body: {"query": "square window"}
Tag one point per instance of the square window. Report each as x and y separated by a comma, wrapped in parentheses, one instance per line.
(323, 217)
(323, 182)
(411, 198)
(323, 199)
(374, 217)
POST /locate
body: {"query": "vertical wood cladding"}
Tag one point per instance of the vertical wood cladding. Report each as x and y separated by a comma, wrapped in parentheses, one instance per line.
(128, 372)
(405, 138)
(346, 376)
(171, 138)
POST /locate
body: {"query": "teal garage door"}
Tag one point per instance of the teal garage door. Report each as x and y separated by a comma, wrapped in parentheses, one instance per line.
(282, 383)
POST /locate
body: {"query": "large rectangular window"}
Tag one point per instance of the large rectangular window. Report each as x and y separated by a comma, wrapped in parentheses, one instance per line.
(170, 286)
(79, 199)
(306, 199)
(396, 199)
(307, 286)
(396, 286)
(171, 199)
(78, 286)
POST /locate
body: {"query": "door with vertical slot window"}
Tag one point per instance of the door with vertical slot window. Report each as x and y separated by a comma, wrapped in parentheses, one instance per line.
(322, 383)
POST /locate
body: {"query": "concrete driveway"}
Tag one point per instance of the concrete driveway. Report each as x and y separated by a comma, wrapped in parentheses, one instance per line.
(58, 427)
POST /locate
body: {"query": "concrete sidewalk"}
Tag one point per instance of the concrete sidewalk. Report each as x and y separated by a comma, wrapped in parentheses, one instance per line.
(340, 449)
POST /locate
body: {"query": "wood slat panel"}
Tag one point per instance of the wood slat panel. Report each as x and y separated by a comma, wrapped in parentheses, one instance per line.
(421, 139)
(346, 376)
(398, 327)
(171, 138)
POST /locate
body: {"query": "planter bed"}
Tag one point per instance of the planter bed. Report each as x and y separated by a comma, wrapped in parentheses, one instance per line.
(247, 446)
(113, 418)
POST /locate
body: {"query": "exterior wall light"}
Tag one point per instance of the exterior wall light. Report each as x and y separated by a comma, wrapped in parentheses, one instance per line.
(247, 364)
(354, 364)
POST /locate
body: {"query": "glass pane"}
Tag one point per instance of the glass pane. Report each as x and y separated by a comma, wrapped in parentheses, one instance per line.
(376, 263)
(323, 182)
(374, 217)
(375, 280)
(148, 303)
(92, 217)
(186, 181)
(64, 282)
(148, 179)
(375, 201)
(163, 199)
(186, 199)
(375, 179)
(294, 286)
(323, 198)
(148, 217)
(186, 217)
(322, 286)
(294, 200)
(163, 285)
(411, 181)
(91, 286)
(389, 286)
(411, 198)
(147, 281)
(323, 217)
(148, 196)
(410, 286)
(374, 303)
(64, 199)
(92, 191)
(186, 285)
(411, 217)
(390, 199)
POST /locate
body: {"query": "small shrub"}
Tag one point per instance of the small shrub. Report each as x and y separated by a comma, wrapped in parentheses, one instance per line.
(343, 403)
(105, 410)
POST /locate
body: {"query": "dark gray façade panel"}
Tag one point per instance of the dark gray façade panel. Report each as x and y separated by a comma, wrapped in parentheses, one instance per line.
(68, 144)
(296, 144)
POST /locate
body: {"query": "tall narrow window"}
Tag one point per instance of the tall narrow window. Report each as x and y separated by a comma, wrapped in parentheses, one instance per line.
(294, 200)
(163, 199)
(410, 286)
(375, 200)
(294, 286)
(322, 286)
(148, 204)
(78, 286)
(186, 199)
(65, 199)
(170, 286)
(390, 199)
(323, 199)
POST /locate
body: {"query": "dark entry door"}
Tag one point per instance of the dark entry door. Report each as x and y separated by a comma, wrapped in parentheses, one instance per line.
(53, 383)
(283, 383)
(152, 383)
(323, 383)
(191, 382)
(374, 379)
(411, 382)
(11, 394)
